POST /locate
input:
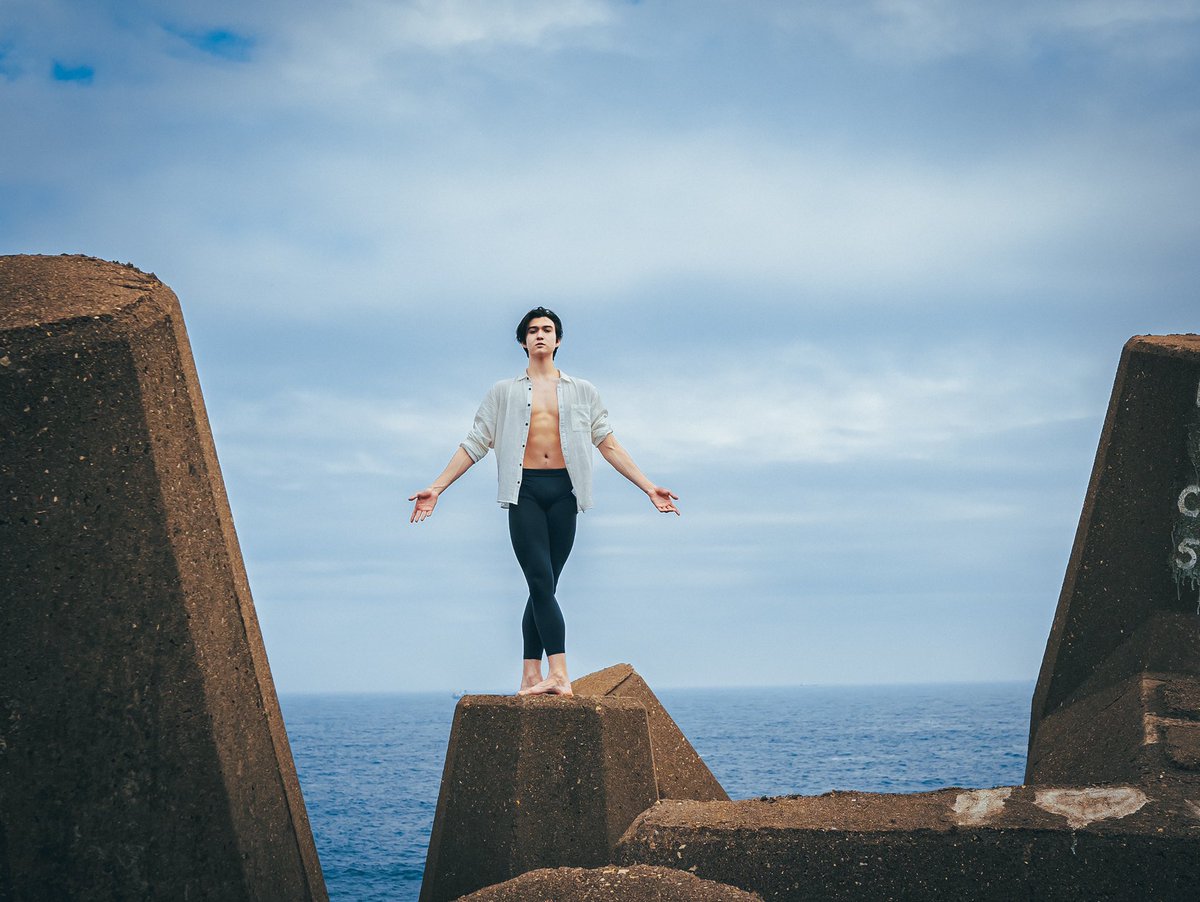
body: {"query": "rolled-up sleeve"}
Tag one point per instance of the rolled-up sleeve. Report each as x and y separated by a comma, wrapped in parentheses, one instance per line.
(600, 426)
(483, 431)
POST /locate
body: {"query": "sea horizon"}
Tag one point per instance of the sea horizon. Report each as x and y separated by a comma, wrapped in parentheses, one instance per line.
(353, 693)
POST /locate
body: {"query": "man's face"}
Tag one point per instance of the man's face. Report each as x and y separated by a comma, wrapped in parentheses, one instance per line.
(540, 337)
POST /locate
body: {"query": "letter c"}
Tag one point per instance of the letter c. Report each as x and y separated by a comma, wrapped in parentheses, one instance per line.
(1183, 501)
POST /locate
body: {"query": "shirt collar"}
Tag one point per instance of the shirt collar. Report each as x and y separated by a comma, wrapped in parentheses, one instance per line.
(561, 375)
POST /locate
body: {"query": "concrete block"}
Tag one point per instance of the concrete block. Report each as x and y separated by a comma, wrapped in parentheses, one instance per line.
(535, 782)
(679, 771)
(636, 883)
(1128, 612)
(142, 750)
(1077, 843)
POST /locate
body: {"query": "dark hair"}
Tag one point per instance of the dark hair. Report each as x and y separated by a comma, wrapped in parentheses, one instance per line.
(523, 326)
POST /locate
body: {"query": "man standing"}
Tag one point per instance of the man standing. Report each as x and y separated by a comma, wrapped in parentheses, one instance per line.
(542, 424)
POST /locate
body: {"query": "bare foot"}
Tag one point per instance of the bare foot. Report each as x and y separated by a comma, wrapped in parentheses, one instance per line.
(528, 681)
(551, 685)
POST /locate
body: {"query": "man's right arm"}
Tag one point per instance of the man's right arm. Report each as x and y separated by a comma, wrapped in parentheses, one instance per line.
(426, 499)
(472, 450)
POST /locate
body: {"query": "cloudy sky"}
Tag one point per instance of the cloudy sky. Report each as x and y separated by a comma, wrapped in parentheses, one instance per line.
(852, 278)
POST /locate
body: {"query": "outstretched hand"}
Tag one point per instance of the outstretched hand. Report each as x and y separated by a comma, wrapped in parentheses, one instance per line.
(426, 501)
(664, 500)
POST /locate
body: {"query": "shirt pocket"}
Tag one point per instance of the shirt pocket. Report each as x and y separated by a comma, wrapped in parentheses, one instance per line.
(581, 419)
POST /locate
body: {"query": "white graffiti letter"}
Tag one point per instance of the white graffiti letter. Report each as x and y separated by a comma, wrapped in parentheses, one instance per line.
(1187, 551)
(1183, 501)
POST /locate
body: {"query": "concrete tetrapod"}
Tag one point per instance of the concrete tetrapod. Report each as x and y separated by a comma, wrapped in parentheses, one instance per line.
(1118, 697)
(679, 771)
(1078, 843)
(142, 751)
(535, 782)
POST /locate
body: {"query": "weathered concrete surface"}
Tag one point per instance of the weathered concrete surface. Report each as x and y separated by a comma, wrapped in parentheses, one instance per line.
(680, 772)
(535, 782)
(1126, 731)
(636, 883)
(142, 751)
(1085, 843)
(1116, 699)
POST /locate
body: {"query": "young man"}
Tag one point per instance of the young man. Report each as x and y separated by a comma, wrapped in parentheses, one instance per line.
(542, 424)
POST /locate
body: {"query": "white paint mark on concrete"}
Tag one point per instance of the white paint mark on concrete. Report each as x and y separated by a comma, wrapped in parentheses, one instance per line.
(1084, 806)
(1185, 554)
(979, 805)
(1186, 508)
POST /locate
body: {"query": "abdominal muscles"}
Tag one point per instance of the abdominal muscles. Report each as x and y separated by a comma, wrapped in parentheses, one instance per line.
(542, 448)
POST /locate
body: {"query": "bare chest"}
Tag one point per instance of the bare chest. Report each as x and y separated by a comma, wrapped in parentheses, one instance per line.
(542, 448)
(544, 412)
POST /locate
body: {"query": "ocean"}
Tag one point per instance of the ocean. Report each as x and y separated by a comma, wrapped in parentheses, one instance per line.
(370, 765)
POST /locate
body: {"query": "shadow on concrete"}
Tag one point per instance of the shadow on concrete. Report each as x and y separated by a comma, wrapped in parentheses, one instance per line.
(142, 751)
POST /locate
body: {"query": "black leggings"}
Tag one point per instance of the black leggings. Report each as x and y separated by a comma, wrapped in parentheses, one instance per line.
(542, 528)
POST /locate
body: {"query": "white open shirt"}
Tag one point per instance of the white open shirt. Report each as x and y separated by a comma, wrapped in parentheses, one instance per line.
(502, 422)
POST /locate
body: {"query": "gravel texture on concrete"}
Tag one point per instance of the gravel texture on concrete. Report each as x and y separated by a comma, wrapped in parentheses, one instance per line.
(636, 883)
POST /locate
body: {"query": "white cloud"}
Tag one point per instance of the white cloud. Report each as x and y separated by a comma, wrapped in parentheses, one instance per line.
(905, 31)
(332, 165)
(452, 23)
(604, 220)
(294, 435)
(380, 58)
(790, 403)
(631, 211)
(802, 404)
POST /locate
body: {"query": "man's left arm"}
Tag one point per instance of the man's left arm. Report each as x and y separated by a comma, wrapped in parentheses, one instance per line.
(662, 498)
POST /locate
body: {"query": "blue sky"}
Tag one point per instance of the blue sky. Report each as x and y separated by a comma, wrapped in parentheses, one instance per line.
(852, 278)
